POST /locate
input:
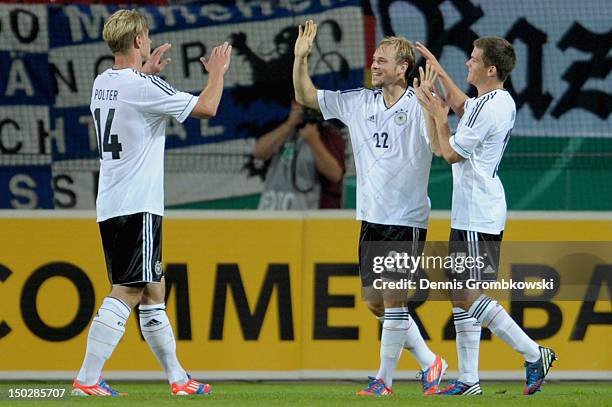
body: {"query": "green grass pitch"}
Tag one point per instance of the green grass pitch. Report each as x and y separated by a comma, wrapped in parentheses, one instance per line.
(152, 394)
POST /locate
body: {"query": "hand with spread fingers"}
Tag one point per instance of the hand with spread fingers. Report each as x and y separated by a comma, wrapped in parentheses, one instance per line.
(453, 95)
(427, 78)
(431, 59)
(429, 99)
(219, 60)
(156, 62)
(305, 39)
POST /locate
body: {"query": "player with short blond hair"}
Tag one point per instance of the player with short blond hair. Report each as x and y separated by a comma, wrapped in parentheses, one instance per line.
(404, 50)
(121, 29)
(392, 157)
(130, 105)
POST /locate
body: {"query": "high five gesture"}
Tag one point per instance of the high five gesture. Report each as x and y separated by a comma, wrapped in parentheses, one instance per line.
(305, 39)
(305, 92)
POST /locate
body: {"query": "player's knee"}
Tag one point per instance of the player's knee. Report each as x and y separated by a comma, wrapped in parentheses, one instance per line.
(130, 295)
(464, 298)
(152, 298)
(377, 308)
(154, 293)
(463, 304)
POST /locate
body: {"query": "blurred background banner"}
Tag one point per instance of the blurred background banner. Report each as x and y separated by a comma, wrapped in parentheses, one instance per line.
(560, 84)
(560, 155)
(55, 53)
(275, 298)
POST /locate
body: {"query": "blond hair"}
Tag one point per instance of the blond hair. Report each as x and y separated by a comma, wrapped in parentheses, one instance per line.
(121, 29)
(404, 50)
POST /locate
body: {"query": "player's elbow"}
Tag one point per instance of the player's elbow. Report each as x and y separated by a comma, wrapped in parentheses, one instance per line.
(301, 98)
(451, 157)
(297, 91)
(457, 108)
(307, 98)
(208, 112)
(203, 110)
(335, 176)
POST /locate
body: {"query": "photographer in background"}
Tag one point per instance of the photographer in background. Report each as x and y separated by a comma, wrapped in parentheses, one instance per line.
(307, 165)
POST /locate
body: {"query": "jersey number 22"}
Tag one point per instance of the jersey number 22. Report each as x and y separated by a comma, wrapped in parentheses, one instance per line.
(381, 140)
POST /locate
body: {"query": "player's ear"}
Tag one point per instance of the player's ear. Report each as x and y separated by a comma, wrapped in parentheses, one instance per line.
(138, 41)
(492, 71)
(404, 68)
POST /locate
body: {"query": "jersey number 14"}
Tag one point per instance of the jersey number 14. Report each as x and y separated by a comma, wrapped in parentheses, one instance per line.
(110, 143)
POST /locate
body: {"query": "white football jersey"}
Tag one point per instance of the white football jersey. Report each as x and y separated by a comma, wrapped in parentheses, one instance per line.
(479, 202)
(130, 110)
(392, 154)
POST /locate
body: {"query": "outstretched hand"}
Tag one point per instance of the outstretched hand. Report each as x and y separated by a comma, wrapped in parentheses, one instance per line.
(427, 78)
(219, 60)
(431, 59)
(156, 62)
(305, 39)
(426, 93)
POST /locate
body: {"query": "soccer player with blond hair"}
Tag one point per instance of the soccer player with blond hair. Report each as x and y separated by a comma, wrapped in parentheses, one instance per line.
(130, 105)
(393, 156)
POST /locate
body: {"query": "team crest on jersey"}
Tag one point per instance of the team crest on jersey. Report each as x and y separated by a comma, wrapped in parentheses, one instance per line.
(400, 118)
(158, 268)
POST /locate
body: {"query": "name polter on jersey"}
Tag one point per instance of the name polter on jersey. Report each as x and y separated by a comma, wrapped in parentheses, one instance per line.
(130, 110)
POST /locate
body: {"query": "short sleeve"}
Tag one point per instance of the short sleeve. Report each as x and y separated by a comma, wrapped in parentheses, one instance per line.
(338, 104)
(159, 98)
(473, 130)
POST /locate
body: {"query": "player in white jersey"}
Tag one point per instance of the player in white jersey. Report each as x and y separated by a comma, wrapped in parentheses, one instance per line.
(392, 157)
(479, 204)
(130, 106)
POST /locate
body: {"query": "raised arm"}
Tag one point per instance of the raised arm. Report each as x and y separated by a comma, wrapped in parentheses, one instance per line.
(210, 97)
(305, 91)
(454, 95)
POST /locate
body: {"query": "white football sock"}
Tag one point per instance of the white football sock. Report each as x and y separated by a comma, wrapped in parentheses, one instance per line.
(467, 339)
(394, 331)
(492, 315)
(157, 331)
(417, 347)
(105, 332)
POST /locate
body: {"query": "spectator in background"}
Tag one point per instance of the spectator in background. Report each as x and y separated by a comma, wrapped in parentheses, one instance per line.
(307, 165)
